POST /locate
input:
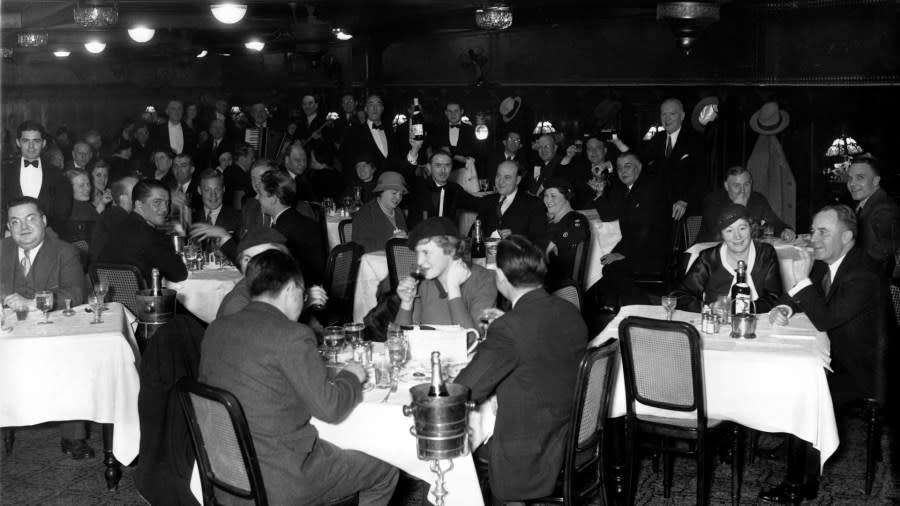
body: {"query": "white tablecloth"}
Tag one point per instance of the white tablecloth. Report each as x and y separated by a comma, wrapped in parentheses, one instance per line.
(775, 383)
(785, 250)
(372, 269)
(333, 232)
(604, 237)
(73, 370)
(202, 292)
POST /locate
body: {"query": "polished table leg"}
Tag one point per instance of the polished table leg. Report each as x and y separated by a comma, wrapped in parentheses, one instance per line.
(113, 471)
(615, 460)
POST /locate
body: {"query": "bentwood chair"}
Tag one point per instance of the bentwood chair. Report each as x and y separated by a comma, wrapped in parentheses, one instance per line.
(582, 476)
(690, 229)
(340, 279)
(345, 231)
(226, 456)
(400, 259)
(579, 267)
(895, 298)
(663, 369)
(124, 282)
(569, 292)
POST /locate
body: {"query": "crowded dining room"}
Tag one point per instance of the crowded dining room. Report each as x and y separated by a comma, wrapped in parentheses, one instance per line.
(449, 252)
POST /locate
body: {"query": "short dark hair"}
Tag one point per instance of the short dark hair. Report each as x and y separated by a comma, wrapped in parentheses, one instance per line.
(274, 269)
(71, 174)
(736, 170)
(21, 201)
(869, 160)
(164, 150)
(185, 155)
(521, 261)
(278, 183)
(144, 188)
(30, 126)
(211, 174)
(627, 154)
(440, 152)
(845, 215)
(453, 101)
(118, 188)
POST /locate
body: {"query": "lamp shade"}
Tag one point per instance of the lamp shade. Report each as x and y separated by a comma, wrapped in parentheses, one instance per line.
(95, 46)
(255, 45)
(141, 34)
(228, 12)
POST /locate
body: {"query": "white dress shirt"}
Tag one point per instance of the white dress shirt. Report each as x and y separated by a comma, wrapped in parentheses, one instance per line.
(454, 135)
(380, 137)
(507, 201)
(30, 179)
(32, 254)
(176, 137)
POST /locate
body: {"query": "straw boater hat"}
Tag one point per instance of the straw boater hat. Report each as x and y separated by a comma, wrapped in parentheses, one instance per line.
(695, 114)
(509, 107)
(769, 119)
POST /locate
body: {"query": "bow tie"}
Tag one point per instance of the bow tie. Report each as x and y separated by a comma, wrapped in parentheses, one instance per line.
(377, 126)
(32, 163)
(454, 126)
(437, 189)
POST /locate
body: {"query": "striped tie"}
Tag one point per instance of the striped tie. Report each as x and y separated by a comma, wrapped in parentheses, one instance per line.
(26, 263)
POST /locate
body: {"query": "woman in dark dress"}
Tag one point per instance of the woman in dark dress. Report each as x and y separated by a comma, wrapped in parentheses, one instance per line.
(381, 219)
(80, 225)
(567, 229)
(714, 271)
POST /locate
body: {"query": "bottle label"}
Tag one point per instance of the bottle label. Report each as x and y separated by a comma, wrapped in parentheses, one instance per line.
(417, 129)
(742, 304)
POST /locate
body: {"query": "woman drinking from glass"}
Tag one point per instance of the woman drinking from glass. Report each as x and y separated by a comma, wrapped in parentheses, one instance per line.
(381, 219)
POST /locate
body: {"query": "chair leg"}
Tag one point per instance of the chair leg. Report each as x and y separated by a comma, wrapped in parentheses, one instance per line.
(667, 468)
(873, 441)
(753, 444)
(737, 459)
(631, 450)
(701, 473)
(9, 437)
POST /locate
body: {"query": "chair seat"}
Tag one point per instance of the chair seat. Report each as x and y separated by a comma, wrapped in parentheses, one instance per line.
(674, 427)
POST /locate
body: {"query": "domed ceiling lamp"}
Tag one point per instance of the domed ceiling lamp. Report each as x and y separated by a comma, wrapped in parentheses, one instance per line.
(687, 20)
(228, 12)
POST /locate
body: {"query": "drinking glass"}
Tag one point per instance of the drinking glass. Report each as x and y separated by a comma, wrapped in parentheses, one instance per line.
(191, 254)
(668, 303)
(418, 273)
(101, 289)
(334, 340)
(44, 302)
(353, 332)
(68, 311)
(722, 307)
(396, 348)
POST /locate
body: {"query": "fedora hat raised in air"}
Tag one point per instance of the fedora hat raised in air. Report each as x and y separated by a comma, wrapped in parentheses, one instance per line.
(769, 119)
(695, 114)
(509, 107)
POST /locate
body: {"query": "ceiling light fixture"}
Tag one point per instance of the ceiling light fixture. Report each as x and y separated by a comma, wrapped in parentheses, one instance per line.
(141, 34)
(96, 16)
(494, 17)
(341, 34)
(255, 45)
(687, 20)
(228, 12)
(62, 53)
(202, 54)
(32, 39)
(95, 46)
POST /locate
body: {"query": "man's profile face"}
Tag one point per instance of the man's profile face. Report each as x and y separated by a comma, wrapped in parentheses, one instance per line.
(546, 148)
(211, 191)
(27, 225)
(671, 115)
(629, 169)
(374, 108)
(155, 207)
(863, 182)
(829, 237)
(296, 160)
(258, 111)
(512, 142)
(31, 142)
(175, 111)
(82, 154)
(162, 162)
(256, 175)
(309, 105)
(441, 165)
(432, 259)
(183, 169)
(454, 113)
(739, 188)
(595, 151)
(507, 178)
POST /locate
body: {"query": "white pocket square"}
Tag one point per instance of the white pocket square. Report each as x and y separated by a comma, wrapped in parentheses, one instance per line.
(684, 156)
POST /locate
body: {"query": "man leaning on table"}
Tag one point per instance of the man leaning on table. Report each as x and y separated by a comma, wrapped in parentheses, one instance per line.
(32, 260)
(530, 361)
(272, 365)
(842, 292)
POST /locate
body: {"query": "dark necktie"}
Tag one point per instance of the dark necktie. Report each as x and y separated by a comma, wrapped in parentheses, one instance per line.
(826, 282)
(668, 145)
(858, 210)
(31, 163)
(500, 207)
(209, 218)
(377, 126)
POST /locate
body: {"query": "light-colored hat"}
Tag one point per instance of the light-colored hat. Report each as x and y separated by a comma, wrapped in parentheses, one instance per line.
(390, 181)
(769, 119)
(509, 107)
(695, 114)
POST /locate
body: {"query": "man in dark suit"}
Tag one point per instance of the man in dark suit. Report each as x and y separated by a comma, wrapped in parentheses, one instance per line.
(510, 149)
(638, 203)
(511, 210)
(454, 136)
(114, 214)
(374, 138)
(215, 219)
(272, 365)
(32, 260)
(175, 134)
(347, 118)
(877, 213)
(238, 186)
(183, 190)
(310, 128)
(27, 175)
(82, 156)
(676, 156)
(264, 139)
(532, 374)
(304, 236)
(216, 144)
(140, 241)
(435, 195)
(545, 166)
(844, 294)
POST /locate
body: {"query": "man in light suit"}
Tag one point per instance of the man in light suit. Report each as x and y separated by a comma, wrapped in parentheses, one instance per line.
(876, 212)
(272, 365)
(530, 361)
(511, 210)
(28, 175)
(32, 260)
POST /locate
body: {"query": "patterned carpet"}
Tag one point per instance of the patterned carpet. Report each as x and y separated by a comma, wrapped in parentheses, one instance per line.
(36, 473)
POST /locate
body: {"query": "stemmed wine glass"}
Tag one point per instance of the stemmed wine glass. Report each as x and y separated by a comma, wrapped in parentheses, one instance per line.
(334, 340)
(668, 303)
(44, 302)
(101, 289)
(396, 347)
(191, 254)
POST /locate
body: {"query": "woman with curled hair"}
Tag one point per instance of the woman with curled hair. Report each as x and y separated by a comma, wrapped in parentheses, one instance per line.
(566, 230)
(714, 272)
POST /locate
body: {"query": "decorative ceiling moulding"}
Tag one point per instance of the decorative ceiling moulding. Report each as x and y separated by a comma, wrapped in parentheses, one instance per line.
(687, 20)
(816, 4)
(494, 17)
(96, 16)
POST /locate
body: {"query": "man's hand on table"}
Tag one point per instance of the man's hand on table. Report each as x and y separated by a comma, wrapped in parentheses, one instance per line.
(15, 300)
(780, 315)
(357, 370)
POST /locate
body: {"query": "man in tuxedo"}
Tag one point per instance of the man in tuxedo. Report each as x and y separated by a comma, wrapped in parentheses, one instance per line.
(843, 292)
(346, 120)
(33, 260)
(264, 139)
(373, 137)
(113, 215)
(510, 149)
(532, 376)
(435, 195)
(638, 203)
(175, 134)
(876, 212)
(511, 210)
(455, 137)
(675, 156)
(28, 175)
(545, 166)
(214, 146)
(277, 196)
(140, 239)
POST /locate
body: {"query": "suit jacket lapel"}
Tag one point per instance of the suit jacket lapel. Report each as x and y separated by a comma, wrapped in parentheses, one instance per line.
(8, 272)
(42, 265)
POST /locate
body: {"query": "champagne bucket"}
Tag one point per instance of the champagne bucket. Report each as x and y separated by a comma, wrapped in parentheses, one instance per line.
(440, 422)
(743, 326)
(155, 308)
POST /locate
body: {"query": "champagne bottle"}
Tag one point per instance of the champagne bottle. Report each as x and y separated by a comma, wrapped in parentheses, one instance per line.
(438, 388)
(740, 292)
(156, 284)
(479, 252)
(417, 123)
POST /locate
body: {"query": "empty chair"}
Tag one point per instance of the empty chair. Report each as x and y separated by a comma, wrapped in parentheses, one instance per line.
(340, 279)
(345, 231)
(124, 282)
(400, 259)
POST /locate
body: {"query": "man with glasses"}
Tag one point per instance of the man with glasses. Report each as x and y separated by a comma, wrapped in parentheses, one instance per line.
(31, 260)
(510, 150)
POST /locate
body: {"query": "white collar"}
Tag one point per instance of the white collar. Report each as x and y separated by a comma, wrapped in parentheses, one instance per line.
(835, 266)
(510, 197)
(674, 136)
(32, 253)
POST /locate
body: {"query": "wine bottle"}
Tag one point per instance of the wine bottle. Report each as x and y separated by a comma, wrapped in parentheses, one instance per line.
(155, 283)
(479, 252)
(740, 292)
(417, 122)
(438, 388)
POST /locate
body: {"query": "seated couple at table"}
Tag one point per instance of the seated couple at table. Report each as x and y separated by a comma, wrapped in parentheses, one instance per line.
(34, 259)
